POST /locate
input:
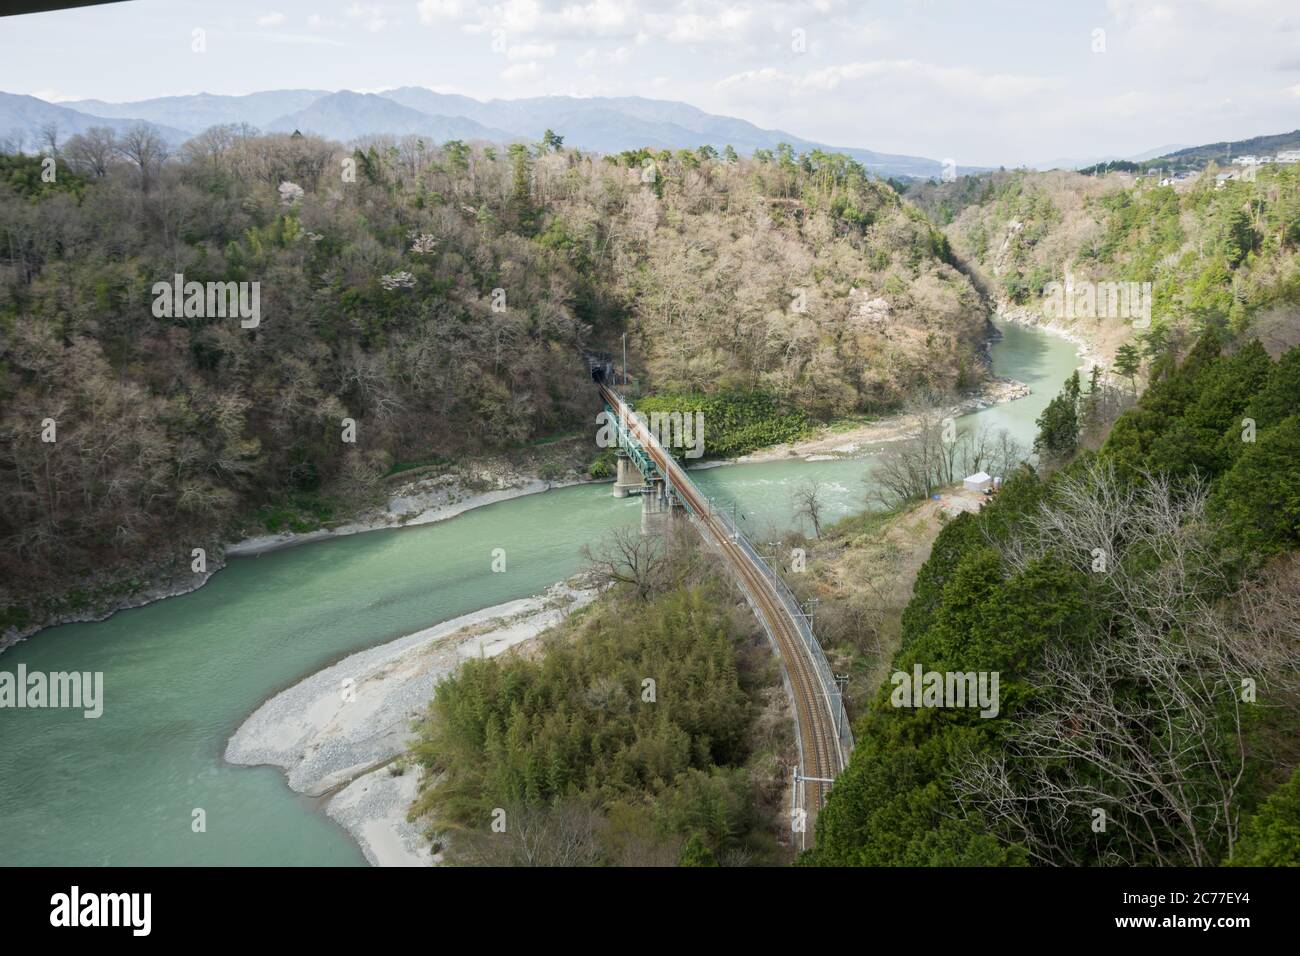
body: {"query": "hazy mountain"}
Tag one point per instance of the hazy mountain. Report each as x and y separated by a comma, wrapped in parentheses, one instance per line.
(599, 123)
(1158, 151)
(1185, 158)
(1076, 163)
(196, 113)
(615, 123)
(1222, 151)
(346, 115)
(446, 104)
(24, 116)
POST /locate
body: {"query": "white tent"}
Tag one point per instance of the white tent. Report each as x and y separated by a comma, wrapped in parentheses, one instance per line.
(980, 481)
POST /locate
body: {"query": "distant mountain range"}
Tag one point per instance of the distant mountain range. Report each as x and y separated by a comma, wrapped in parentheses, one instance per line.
(24, 117)
(1190, 157)
(600, 124)
(1222, 152)
(1075, 163)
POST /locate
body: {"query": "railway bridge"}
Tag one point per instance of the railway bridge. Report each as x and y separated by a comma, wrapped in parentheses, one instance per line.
(821, 725)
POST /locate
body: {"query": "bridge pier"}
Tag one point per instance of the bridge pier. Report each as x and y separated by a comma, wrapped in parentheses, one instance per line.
(657, 508)
(627, 477)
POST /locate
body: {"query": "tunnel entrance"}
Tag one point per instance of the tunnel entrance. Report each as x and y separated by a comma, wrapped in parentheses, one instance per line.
(601, 366)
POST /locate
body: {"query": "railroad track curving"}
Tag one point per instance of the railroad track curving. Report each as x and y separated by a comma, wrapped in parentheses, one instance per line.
(819, 741)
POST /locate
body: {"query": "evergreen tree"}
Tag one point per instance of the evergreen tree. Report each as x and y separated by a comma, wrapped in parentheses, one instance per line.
(695, 852)
(1259, 497)
(521, 196)
(551, 142)
(1272, 836)
(1058, 425)
(1128, 362)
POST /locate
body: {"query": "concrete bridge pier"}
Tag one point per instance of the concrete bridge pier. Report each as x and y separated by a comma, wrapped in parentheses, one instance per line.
(657, 507)
(628, 478)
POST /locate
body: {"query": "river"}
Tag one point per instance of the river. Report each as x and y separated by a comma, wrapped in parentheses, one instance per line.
(182, 674)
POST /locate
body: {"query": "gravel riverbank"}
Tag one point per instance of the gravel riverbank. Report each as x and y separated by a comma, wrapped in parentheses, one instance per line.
(335, 732)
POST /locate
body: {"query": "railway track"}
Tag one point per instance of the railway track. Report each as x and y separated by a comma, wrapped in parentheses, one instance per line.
(821, 752)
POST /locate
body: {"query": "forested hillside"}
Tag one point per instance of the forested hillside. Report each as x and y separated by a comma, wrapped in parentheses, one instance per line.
(1142, 608)
(1208, 252)
(438, 296)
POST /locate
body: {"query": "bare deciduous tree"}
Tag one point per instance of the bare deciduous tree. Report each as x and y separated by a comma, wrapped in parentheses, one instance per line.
(50, 138)
(808, 504)
(936, 452)
(1143, 720)
(145, 148)
(12, 142)
(91, 152)
(560, 835)
(625, 556)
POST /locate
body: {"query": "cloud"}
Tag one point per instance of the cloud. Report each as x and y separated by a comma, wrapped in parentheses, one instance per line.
(900, 106)
(521, 72)
(371, 16)
(530, 51)
(914, 75)
(722, 26)
(271, 19)
(518, 16)
(599, 17)
(440, 11)
(297, 39)
(591, 56)
(673, 21)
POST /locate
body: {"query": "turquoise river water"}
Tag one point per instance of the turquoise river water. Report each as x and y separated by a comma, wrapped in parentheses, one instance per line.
(181, 675)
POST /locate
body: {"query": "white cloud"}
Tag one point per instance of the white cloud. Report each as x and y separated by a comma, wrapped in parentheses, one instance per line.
(518, 16)
(371, 16)
(438, 11)
(313, 21)
(530, 51)
(591, 56)
(298, 39)
(271, 19)
(915, 75)
(601, 17)
(723, 22)
(521, 72)
(723, 26)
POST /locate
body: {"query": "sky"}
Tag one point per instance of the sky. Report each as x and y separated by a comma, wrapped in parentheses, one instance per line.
(1001, 82)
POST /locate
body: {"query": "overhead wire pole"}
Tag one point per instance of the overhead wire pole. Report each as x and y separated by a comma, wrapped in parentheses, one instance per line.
(795, 812)
(841, 682)
(809, 608)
